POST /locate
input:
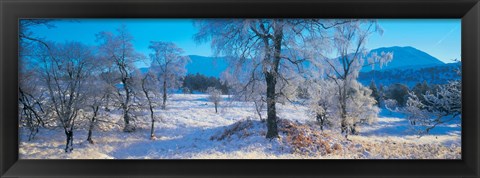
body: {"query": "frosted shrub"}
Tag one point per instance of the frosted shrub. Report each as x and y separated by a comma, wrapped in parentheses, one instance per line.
(215, 96)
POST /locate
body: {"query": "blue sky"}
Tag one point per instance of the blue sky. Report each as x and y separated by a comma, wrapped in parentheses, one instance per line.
(440, 38)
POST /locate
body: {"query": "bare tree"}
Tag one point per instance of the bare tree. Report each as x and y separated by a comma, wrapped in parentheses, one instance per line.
(271, 50)
(149, 83)
(118, 49)
(65, 68)
(215, 96)
(96, 95)
(31, 96)
(167, 59)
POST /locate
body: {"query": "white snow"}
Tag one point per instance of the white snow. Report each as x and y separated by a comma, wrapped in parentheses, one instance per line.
(189, 122)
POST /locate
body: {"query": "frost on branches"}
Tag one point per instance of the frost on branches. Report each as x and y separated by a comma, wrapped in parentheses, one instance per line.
(442, 107)
(354, 104)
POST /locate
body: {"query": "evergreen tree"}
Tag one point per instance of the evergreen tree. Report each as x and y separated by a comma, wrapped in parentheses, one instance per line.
(375, 93)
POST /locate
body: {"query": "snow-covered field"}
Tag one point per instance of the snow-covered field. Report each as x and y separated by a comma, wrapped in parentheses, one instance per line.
(190, 129)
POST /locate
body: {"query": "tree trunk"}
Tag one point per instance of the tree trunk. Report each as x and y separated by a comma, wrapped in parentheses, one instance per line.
(126, 119)
(152, 129)
(107, 103)
(92, 124)
(271, 79)
(69, 144)
(272, 131)
(258, 108)
(164, 105)
(126, 116)
(216, 104)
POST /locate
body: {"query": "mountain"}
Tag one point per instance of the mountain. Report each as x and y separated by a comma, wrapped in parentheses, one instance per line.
(404, 57)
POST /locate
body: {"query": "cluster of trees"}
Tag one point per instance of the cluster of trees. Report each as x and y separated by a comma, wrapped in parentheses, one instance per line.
(268, 62)
(200, 83)
(425, 105)
(399, 94)
(63, 82)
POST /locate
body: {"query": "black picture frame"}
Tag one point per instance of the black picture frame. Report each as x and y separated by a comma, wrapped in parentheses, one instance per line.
(467, 10)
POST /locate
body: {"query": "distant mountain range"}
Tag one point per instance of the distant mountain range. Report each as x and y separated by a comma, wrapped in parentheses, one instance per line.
(404, 57)
(407, 59)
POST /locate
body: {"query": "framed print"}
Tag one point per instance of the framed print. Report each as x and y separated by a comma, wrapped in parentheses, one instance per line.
(239, 88)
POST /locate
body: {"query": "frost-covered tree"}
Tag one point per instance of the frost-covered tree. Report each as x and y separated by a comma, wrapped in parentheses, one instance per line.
(443, 106)
(375, 93)
(64, 71)
(391, 105)
(349, 44)
(168, 60)
(265, 50)
(323, 101)
(215, 96)
(118, 49)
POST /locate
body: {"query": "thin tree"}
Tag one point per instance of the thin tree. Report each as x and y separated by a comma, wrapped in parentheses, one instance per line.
(97, 93)
(118, 49)
(149, 82)
(65, 68)
(349, 44)
(167, 58)
(215, 96)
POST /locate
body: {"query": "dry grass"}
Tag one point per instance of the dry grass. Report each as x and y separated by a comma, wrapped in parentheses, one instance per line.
(307, 141)
(241, 129)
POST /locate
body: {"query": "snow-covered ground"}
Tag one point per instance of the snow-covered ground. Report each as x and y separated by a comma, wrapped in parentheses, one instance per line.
(190, 128)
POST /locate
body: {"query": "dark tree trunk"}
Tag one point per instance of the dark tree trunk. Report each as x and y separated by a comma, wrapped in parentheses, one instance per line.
(272, 131)
(216, 104)
(92, 124)
(126, 119)
(126, 116)
(354, 129)
(271, 79)
(321, 120)
(152, 129)
(343, 109)
(107, 103)
(69, 144)
(164, 105)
